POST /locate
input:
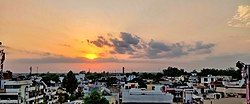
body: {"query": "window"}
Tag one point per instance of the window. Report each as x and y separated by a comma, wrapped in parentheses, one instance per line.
(205, 79)
(9, 97)
(126, 87)
(153, 87)
(12, 86)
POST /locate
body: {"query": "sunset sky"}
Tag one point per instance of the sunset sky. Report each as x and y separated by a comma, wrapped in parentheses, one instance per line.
(141, 35)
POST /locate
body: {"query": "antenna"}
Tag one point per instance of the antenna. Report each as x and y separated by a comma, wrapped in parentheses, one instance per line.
(30, 70)
(123, 70)
(2, 56)
(37, 69)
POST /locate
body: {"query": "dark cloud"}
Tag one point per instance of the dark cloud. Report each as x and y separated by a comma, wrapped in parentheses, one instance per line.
(158, 46)
(178, 50)
(135, 47)
(122, 47)
(202, 48)
(222, 61)
(162, 50)
(129, 39)
(127, 44)
(156, 49)
(100, 42)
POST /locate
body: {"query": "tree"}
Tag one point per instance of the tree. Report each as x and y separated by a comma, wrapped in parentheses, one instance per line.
(95, 98)
(111, 80)
(140, 82)
(134, 73)
(70, 82)
(174, 72)
(72, 97)
(158, 76)
(46, 78)
(144, 75)
(228, 72)
(94, 76)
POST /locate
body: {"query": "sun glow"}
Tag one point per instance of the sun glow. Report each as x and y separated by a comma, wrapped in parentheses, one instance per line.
(91, 56)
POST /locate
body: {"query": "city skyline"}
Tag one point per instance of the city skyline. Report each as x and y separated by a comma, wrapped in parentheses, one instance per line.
(140, 35)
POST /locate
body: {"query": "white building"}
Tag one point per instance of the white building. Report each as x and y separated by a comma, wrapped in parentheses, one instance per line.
(208, 81)
(142, 96)
(131, 77)
(131, 85)
(193, 78)
(80, 77)
(25, 91)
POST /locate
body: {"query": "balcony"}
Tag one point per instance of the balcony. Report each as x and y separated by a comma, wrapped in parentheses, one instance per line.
(34, 88)
(9, 101)
(12, 90)
(33, 98)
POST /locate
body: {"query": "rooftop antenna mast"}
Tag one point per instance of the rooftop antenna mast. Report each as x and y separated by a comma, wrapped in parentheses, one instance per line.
(245, 73)
(2, 58)
(37, 69)
(30, 70)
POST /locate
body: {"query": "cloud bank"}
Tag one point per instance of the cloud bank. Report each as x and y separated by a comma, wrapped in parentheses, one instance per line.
(136, 47)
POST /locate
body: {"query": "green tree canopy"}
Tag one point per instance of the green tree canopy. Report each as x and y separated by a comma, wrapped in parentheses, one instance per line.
(228, 72)
(46, 78)
(174, 72)
(111, 80)
(140, 82)
(70, 82)
(95, 98)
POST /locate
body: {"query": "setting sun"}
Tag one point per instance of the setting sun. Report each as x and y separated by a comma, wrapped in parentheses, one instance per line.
(91, 56)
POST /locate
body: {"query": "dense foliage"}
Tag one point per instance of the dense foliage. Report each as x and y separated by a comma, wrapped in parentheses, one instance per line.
(111, 80)
(228, 72)
(155, 76)
(174, 72)
(140, 82)
(95, 76)
(95, 98)
(70, 82)
(46, 78)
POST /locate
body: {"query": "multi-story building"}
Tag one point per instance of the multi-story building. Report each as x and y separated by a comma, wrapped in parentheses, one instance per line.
(22, 92)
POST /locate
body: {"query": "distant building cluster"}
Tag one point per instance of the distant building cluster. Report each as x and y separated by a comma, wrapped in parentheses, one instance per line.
(121, 88)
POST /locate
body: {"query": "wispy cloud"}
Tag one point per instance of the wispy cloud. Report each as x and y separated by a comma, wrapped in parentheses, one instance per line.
(30, 52)
(63, 59)
(43, 60)
(100, 42)
(241, 18)
(65, 45)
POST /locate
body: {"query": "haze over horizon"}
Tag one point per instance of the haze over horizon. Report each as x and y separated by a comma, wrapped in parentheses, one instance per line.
(140, 35)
